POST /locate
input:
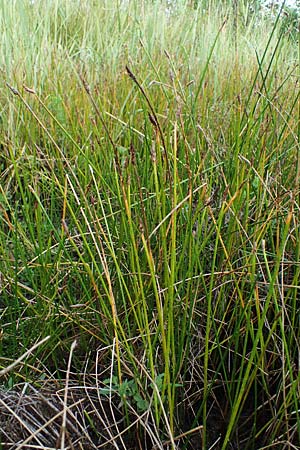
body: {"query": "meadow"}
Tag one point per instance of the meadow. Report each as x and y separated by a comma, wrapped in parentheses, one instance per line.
(149, 239)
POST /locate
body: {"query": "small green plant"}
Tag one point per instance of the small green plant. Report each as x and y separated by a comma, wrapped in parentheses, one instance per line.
(128, 391)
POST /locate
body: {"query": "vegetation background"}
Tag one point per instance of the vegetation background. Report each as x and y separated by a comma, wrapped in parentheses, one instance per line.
(149, 200)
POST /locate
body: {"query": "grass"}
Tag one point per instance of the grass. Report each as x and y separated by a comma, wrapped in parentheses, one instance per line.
(149, 198)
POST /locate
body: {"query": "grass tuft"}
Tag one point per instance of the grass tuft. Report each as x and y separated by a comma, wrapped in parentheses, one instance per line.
(149, 201)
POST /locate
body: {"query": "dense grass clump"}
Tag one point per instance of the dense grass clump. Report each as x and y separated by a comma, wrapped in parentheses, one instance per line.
(150, 248)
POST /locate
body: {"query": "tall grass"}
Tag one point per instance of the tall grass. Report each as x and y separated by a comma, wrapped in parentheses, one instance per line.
(150, 205)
